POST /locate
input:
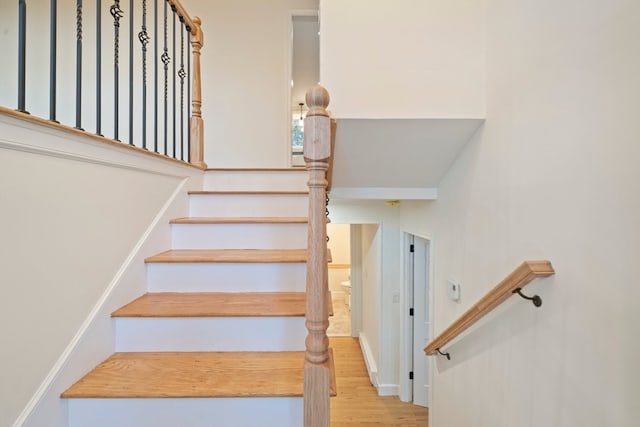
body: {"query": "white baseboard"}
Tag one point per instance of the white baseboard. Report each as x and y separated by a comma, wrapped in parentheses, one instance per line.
(369, 359)
(388, 389)
(372, 369)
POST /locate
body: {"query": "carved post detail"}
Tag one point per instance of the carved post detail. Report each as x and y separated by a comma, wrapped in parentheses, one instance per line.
(317, 151)
(197, 124)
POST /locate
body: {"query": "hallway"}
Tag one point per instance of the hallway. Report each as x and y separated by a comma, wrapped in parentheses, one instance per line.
(357, 403)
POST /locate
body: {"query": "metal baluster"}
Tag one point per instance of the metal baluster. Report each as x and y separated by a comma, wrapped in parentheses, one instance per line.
(189, 98)
(165, 60)
(131, 72)
(53, 43)
(116, 13)
(143, 36)
(182, 74)
(173, 128)
(155, 75)
(78, 64)
(22, 54)
(99, 67)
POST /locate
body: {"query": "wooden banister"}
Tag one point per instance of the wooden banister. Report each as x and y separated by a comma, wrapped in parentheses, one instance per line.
(182, 13)
(317, 152)
(518, 279)
(197, 124)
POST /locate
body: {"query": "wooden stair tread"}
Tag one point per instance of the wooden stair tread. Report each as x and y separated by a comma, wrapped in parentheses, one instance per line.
(195, 374)
(215, 304)
(231, 256)
(241, 220)
(296, 169)
(249, 192)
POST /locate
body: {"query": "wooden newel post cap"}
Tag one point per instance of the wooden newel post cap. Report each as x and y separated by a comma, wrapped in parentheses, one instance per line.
(317, 99)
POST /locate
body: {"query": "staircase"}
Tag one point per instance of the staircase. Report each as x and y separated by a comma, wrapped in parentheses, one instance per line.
(218, 340)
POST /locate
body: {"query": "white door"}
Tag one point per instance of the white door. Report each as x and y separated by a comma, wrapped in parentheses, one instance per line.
(420, 320)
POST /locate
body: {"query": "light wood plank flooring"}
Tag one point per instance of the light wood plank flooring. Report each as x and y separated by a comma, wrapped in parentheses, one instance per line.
(357, 403)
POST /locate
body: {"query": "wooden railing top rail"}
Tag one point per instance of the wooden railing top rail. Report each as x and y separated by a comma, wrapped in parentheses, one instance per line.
(518, 279)
(182, 12)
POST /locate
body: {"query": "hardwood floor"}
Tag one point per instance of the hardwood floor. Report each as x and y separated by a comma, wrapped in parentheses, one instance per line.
(357, 403)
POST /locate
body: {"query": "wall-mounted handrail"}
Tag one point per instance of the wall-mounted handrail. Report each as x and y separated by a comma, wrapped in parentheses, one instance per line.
(317, 154)
(154, 91)
(514, 282)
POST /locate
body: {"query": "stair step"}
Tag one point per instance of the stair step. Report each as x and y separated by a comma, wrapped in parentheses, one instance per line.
(241, 220)
(256, 179)
(222, 277)
(230, 256)
(239, 233)
(183, 412)
(247, 193)
(248, 203)
(195, 374)
(215, 304)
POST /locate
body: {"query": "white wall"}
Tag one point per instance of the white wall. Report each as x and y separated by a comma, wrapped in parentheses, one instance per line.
(553, 175)
(403, 59)
(246, 67)
(74, 214)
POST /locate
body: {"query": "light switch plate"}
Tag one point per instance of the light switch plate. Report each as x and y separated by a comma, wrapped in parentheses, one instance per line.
(453, 290)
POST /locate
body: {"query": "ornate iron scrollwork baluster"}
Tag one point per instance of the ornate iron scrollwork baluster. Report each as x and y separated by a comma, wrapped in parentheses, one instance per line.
(117, 14)
(79, 64)
(165, 60)
(143, 37)
(182, 74)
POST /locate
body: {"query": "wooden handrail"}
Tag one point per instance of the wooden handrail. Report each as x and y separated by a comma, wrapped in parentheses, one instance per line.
(317, 152)
(182, 13)
(518, 279)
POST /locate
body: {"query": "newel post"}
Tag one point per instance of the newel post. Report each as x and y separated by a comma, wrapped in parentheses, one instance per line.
(197, 124)
(317, 150)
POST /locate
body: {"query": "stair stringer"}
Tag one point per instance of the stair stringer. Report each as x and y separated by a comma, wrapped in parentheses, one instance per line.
(95, 339)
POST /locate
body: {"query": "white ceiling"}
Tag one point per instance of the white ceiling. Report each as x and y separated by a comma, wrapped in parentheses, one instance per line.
(396, 158)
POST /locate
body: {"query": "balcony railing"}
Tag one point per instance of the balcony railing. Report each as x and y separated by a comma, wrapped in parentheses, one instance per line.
(125, 70)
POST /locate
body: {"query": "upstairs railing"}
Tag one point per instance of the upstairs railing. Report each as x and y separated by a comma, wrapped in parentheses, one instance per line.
(512, 284)
(317, 155)
(118, 69)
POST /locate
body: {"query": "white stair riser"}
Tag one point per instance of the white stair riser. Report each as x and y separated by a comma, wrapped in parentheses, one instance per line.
(211, 334)
(249, 205)
(202, 412)
(239, 236)
(256, 180)
(220, 277)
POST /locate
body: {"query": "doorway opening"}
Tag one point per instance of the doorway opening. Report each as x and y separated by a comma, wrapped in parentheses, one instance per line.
(340, 279)
(305, 73)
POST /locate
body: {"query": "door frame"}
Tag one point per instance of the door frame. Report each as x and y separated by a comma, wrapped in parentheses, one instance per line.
(406, 322)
